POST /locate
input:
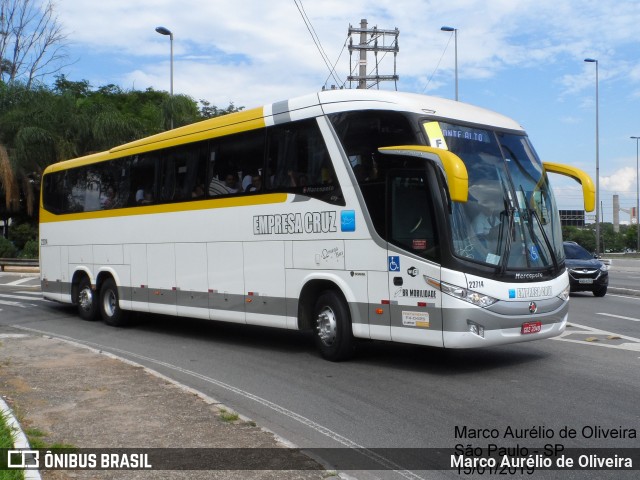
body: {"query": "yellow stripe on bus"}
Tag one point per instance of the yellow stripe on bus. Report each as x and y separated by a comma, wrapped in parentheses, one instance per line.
(238, 122)
(273, 198)
(215, 127)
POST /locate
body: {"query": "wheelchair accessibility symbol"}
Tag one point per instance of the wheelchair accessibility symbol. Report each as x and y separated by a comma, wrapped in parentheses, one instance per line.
(394, 264)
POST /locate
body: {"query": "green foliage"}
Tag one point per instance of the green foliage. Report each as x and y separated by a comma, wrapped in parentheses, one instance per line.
(179, 110)
(41, 125)
(21, 234)
(584, 236)
(610, 241)
(30, 250)
(7, 441)
(210, 111)
(7, 249)
(35, 148)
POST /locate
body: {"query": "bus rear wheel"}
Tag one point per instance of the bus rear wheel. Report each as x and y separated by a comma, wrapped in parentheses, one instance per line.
(109, 303)
(333, 334)
(86, 300)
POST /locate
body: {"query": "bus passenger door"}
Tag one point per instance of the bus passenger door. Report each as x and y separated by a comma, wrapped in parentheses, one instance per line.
(413, 259)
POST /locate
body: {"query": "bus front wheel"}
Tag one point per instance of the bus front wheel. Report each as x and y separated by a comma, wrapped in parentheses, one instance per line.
(333, 335)
(86, 300)
(110, 309)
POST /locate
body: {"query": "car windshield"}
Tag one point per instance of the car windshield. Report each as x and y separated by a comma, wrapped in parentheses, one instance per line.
(574, 251)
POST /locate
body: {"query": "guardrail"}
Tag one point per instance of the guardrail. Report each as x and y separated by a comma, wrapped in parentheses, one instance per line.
(18, 262)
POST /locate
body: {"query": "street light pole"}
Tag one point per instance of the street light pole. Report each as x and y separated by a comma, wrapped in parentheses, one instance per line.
(166, 31)
(455, 42)
(637, 198)
(593, 60)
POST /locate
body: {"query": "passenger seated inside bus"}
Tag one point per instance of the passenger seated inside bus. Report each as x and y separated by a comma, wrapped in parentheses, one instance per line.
(219, 187)
(255, 185)
(110, 199)
(144, 196)
(198, 190)
(484, 221)
(231, 182)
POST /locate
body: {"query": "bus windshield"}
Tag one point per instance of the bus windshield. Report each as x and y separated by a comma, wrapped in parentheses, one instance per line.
(510, 219)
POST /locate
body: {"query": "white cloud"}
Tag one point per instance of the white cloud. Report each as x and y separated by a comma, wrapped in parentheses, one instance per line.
(493, 35)
(522, 58)
(620, 181)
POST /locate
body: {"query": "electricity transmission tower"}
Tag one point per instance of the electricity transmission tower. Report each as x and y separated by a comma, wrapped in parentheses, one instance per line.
(376, 41)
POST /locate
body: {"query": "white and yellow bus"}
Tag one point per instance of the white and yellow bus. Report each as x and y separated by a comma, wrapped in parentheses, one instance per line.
(352, 213)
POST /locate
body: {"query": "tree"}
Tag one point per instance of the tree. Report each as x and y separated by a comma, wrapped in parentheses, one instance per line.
(209, 111)
(32, 42)
(41, 125)
(8, 188)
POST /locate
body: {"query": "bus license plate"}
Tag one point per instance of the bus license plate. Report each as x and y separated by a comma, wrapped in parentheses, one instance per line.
(531, 327)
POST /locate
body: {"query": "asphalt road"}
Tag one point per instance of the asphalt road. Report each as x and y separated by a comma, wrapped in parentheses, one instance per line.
(587, 381)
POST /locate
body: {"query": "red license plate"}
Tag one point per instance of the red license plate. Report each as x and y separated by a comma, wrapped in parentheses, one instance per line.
(530, 327)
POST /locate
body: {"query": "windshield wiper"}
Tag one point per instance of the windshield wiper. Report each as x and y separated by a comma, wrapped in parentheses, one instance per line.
(534, 214)
(507, 248)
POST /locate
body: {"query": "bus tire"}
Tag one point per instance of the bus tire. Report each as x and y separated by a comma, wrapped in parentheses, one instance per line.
(109, 303)
(333, 334)
(87, 300)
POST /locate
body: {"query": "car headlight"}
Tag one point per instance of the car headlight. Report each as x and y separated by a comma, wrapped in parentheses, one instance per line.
(471, 296)
(604, 267)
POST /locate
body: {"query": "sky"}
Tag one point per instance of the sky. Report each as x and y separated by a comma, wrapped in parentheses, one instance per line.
(521, 58)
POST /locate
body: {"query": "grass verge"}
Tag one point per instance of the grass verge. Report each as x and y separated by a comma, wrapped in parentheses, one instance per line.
(6, 441)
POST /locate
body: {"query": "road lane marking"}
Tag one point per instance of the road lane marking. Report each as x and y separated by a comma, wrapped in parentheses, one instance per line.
(20, 281)
(636, 297)
(633, 344)
(604, 332)
(21, 297)
(619, 316)
(14, 304)
(381, 460)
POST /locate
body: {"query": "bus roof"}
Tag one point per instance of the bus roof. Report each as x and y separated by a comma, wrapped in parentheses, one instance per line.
(325, 102)
(413, 102)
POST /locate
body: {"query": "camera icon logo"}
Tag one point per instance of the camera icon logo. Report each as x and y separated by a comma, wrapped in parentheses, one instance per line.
(26, 459)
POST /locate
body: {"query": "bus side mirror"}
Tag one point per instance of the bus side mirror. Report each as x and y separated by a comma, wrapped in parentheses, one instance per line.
(454, 168)
(588, 190)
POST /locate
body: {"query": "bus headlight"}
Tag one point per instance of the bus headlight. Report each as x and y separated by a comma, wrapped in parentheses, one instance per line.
(564, 295)
(476, 298)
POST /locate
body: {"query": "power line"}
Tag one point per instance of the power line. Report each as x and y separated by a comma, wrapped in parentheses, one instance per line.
(316, 41)
(344, 46)
(438, 65)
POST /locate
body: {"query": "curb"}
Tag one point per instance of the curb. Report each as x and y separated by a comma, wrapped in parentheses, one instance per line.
(19, 438)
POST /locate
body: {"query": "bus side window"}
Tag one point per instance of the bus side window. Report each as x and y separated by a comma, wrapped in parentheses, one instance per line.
(143, 180)
(232, 159)
(298, 161)
(55, 195)
(183, 172)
